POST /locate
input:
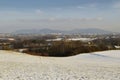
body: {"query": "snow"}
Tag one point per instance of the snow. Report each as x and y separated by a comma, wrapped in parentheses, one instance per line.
(90, 66)
(117, 47)
(73, 39)
(58, 39)
(81, 39)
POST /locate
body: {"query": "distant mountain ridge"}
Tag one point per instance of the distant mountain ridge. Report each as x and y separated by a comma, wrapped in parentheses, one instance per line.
(91, 31)
(50, 31)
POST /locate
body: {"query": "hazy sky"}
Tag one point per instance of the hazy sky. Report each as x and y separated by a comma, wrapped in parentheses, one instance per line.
(59, 14)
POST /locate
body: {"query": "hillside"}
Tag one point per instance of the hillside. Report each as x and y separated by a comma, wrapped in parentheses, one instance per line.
(91, 66)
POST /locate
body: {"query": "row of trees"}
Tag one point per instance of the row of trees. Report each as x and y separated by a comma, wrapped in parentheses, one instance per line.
(69, 48)
(65, 48)
(73, 48)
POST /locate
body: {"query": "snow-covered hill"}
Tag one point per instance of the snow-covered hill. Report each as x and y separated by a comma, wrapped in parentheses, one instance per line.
(91, 66)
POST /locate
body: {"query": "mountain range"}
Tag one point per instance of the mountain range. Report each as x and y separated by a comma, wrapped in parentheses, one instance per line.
(50, 31)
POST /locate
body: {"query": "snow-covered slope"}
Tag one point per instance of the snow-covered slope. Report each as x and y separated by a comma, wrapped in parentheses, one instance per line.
(106, 57)
(91, 66)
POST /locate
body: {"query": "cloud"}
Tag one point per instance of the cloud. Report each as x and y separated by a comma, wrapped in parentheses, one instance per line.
(88, 19)
(93, 5)
(99, 19)
(80, 7)
(58, 8)
(54, 20)
(116, 5)
(87, 6)
(38, 11)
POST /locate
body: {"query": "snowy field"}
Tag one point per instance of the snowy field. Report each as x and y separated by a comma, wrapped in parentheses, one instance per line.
(94, 66)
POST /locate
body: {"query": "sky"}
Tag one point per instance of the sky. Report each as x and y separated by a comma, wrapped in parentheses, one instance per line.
(59, 14)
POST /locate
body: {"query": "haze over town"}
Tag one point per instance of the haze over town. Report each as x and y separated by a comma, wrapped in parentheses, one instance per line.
(59, 14)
